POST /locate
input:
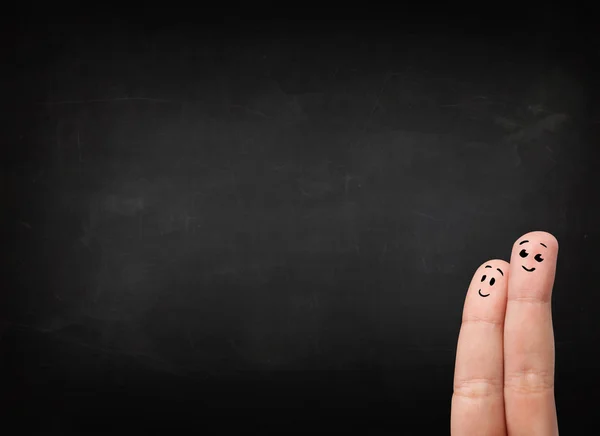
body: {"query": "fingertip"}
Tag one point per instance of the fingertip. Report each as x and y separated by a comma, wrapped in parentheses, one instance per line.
(487, 291)
(533, 266)
(498, 265)
(550, 239)
(547, 239)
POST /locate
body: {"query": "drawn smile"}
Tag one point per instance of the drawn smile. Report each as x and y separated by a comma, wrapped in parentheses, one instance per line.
(483, 295)
(527, 269)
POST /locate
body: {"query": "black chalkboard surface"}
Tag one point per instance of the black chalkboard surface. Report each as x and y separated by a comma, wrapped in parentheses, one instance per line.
(261, 225)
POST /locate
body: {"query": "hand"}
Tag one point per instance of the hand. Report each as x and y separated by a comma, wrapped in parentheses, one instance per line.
(504, 374)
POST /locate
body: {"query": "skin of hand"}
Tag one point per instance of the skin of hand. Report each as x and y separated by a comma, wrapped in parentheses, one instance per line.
(504, 371)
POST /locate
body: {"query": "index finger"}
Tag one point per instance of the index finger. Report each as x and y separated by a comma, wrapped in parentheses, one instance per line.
(529, 337)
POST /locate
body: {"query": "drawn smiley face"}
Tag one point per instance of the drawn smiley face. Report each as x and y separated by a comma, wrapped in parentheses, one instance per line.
(524, 254)
(492, 280)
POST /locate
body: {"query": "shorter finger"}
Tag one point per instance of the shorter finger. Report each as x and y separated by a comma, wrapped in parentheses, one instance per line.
(478, 399)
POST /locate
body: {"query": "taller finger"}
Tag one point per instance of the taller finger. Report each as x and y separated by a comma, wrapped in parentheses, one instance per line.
(529, 337)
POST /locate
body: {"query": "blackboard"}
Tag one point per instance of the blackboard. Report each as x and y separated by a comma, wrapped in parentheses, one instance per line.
(192, 220)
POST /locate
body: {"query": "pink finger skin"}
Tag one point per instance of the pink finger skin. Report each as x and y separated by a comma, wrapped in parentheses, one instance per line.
(478, 399)
(529, 337)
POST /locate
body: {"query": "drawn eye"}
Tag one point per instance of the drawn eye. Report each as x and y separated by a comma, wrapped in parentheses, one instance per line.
(492, 281)
(538, 257)
(523, 253)
(483, 278)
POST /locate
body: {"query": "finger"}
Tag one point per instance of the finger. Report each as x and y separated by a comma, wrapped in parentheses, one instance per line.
(529, 337)
(477, 402)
